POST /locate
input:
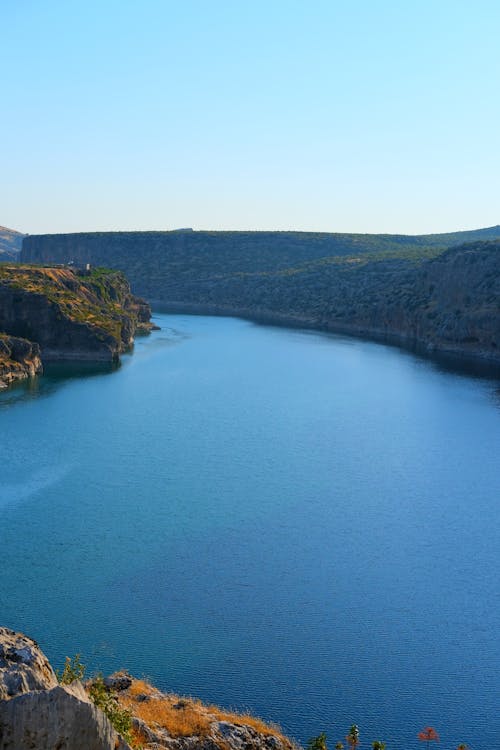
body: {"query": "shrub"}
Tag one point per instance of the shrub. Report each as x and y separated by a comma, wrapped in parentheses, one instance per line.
(73, 670)
(120, 718)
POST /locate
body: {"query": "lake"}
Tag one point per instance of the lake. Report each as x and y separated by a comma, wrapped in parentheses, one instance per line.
(298, 524)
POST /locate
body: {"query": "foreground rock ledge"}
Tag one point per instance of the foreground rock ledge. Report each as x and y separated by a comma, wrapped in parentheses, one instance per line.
(37, 713)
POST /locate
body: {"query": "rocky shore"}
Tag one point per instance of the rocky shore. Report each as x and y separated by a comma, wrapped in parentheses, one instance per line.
(40, 712)
(19, 359)
(60, 313)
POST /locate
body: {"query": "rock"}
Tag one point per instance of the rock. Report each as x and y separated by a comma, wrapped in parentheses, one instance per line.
(19, 359)
(70, 315)
(36, 713)
(23, 666)
(118, 681)
(62, 717)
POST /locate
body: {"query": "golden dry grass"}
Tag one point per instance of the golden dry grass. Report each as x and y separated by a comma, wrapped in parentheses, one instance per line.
(184, 717)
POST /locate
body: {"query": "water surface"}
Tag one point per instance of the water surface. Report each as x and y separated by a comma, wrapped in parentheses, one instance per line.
(298, 524)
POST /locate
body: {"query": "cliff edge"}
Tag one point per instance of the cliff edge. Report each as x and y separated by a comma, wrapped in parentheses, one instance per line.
(65, 314)
(116, 713)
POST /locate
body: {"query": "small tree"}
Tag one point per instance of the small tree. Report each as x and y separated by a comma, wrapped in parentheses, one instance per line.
(73, 670)
(377, 745)
(428, 734)
(353, 737)
(317, 743)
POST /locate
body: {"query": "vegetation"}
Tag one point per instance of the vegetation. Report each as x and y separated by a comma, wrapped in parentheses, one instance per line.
(428, 734)
(91, 299)
(181, 716)
(317, 743)
(188, 717)
(100, 695)
(107, 701)
(73, 670)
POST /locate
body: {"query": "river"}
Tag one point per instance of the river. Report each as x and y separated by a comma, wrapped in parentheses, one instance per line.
(298, 524)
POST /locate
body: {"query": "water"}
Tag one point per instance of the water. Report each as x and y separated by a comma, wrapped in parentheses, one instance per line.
(301, 525)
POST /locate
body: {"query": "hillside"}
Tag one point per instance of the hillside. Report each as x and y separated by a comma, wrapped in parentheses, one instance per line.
(49, 314)
(412, 290)
(10, 244)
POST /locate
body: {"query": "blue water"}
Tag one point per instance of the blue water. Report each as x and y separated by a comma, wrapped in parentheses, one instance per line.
(301, 525)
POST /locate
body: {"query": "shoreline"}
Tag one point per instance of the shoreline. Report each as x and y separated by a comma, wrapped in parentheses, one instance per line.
(467, 362)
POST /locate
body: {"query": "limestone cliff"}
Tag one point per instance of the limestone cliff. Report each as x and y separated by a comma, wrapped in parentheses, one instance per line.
(38, 713)
(423, 292)
(70, 314)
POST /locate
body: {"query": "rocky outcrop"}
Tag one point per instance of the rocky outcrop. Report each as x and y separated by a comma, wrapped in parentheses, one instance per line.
(37, 713)
(23, 667)
(71, 315)
(62, 717)
(162, 721)
(413, 291)
(19, 359)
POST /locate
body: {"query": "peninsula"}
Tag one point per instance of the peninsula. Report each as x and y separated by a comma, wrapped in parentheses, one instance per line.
(63, 313)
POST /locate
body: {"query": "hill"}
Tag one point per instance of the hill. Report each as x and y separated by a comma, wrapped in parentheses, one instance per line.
(418, 291)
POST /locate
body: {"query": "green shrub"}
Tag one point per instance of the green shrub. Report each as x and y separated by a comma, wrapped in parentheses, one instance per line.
(73, 670)
(120, 718)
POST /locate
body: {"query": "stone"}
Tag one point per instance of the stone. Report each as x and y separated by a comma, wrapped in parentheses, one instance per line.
(118, 681)
(23, 666)
(36, 713)
(61, 718)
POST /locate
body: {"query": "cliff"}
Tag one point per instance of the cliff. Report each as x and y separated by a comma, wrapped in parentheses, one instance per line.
(68, 314)
(118, 713)
(10, 244)
(414, 291)
(19, 359)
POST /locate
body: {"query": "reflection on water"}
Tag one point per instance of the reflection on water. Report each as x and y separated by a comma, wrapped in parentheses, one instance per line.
(54, 375)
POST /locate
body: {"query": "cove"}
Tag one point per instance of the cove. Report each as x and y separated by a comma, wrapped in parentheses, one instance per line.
(300, 524)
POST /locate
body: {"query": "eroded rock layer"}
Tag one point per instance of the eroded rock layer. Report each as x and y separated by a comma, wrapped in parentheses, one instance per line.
(66, 314)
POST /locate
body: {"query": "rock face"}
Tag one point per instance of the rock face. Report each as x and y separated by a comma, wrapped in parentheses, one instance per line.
(19, 359)
(62, 717)
(71, 315)
(23, 667)
(38, 714)
(10, 244)
(414, 291)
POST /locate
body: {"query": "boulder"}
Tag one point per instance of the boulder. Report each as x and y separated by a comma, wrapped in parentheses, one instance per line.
(61, 718)
(36, 713)
(23, 666)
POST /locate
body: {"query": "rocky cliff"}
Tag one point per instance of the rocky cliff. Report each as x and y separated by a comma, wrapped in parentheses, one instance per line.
(19, 359)
(66, 315)
(414, 291)
(38, 713)
(10, 244)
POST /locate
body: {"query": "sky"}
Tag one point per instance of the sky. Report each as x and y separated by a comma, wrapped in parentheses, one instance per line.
(325, 115)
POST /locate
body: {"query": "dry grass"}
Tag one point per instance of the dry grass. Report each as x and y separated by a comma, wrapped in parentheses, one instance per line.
(248, 720)
(184, 717)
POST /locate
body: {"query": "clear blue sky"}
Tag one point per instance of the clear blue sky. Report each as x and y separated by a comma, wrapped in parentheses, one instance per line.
(363, 116)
